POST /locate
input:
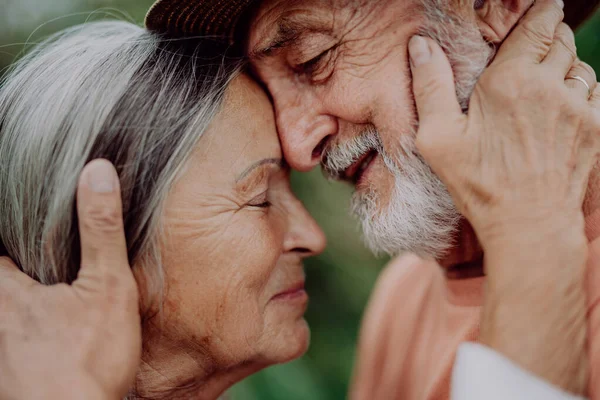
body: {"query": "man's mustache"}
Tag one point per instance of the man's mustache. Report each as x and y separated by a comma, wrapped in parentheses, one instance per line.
(339, 156)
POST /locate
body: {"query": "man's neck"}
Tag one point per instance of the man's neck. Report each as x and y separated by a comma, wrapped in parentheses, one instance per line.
(465, 256)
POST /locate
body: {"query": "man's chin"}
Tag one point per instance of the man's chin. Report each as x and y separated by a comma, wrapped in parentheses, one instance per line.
(418, 233)
(408, 217)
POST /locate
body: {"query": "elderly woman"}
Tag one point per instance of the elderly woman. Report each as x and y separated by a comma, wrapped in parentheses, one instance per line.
(215, 237)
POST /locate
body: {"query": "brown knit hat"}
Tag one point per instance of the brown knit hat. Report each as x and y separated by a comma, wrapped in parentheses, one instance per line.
(221, 18)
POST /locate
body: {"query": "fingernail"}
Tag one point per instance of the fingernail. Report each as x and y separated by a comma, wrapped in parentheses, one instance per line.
(419, 50)
(560, 3)
(101, 176)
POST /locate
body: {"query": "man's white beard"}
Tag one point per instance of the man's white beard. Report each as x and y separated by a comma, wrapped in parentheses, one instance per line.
(420, 216)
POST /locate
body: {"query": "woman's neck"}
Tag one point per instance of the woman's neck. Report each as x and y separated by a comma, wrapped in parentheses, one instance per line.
(169, 370)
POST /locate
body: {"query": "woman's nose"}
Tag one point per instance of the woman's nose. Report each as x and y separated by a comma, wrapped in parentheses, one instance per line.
(304, 235)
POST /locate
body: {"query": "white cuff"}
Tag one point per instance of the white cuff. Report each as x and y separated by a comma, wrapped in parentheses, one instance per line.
(481, 373)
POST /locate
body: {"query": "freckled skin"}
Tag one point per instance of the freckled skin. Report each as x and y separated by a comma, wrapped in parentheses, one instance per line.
(225, 258)
(365, 79)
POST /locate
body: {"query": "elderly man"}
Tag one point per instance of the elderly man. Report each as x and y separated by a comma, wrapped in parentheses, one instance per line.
(339, 75)
(338, 72)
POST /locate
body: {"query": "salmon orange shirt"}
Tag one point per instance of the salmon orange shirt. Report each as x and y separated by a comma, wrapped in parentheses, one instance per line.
(417, 319)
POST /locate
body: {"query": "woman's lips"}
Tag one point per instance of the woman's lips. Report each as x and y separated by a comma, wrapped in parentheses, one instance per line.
(294, 292)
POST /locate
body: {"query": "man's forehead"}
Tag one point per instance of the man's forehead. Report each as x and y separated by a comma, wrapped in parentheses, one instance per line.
(277, 21)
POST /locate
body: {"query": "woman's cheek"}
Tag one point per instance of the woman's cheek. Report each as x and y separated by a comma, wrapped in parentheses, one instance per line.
(263, 239)
(271, 233)
(259, 250)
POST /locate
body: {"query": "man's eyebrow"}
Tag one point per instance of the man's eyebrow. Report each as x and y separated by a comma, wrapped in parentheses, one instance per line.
(274, 161)
(289, 31)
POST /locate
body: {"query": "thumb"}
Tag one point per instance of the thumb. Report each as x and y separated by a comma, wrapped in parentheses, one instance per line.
(99, 209)
(433, 82)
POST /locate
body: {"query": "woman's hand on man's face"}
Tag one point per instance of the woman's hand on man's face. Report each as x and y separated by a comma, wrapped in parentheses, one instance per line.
(530, 139)
(517, 167)
(83, 340)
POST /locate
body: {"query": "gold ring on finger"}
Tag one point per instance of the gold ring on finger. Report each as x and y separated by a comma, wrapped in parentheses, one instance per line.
(580, 79)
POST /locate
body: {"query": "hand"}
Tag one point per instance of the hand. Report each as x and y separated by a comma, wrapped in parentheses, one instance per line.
(593, 290)
(528, 144)
(78, 341)
(517, 167)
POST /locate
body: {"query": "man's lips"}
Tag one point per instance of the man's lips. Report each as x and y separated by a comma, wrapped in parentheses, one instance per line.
(294, 291)
(354, 172)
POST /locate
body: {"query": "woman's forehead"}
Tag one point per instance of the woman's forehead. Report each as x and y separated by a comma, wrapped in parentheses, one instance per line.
(244, 130)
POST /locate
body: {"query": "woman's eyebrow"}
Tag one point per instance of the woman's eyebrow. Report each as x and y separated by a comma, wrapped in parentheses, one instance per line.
(275, 161)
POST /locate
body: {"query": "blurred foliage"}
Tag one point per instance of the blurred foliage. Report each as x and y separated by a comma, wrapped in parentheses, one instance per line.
(339, 281)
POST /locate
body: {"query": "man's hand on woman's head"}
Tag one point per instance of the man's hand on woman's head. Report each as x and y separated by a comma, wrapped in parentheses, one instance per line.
(517, 167)
(83, 340)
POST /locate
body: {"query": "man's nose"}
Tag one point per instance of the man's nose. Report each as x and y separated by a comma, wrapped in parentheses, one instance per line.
(304, 130)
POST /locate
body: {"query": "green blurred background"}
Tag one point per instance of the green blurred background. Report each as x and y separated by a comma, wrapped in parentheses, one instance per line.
(339, 281)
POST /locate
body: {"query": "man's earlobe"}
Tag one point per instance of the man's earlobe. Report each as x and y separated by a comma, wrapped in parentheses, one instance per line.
(498, 17)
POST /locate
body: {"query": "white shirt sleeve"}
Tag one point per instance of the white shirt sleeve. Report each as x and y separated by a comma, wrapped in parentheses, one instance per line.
(481, 373)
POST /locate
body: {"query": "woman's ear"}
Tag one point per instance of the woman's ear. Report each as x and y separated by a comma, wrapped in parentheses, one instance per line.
(496, 18)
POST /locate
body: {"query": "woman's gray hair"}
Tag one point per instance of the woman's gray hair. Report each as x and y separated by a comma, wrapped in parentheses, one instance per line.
(100, 90)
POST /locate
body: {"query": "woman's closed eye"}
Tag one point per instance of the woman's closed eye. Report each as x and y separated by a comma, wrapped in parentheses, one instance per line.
(260, 201)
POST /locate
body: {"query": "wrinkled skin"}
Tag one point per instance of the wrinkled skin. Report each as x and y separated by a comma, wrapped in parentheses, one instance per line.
(360, 76)
(315, 105)
(319, 105)
(79, 340)
(541, 157)
(235, 238)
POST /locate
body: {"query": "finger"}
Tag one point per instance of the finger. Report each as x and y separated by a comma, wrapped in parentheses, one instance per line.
(595, 99)
(13, 284)
(103, 245)
(563, 51)
(433, 82)
(9, 272)
(581, 79)
(534, 35)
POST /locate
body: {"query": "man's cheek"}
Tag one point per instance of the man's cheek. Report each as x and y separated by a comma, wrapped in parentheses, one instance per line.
(395, 115)
(395, 97)
(350, 98)
(364, 80)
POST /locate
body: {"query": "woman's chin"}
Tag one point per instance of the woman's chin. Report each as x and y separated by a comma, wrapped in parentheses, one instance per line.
(290, 344)
(302, 342)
